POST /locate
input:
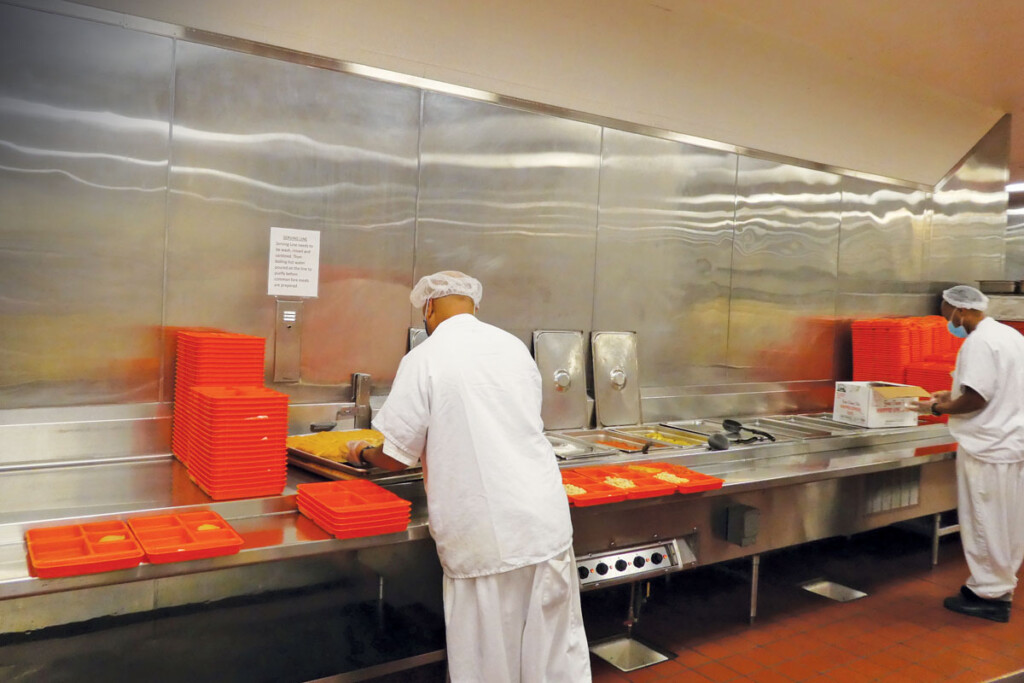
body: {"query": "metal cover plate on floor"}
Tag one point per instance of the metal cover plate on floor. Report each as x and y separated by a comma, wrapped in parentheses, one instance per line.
(629, 654)
(832, 590)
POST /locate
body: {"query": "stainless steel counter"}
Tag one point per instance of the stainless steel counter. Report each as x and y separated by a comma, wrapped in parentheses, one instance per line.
(814, 471)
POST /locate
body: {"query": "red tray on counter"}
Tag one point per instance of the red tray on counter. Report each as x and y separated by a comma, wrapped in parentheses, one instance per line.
(644, 486)
(696, 481)
(594, 493)
(353, 508)
(82, 549)
(185, 536)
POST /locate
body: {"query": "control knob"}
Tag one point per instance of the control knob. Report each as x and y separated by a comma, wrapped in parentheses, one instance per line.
(656, 558)
(621, 565)
(601, 568)
(638, 561)
(584, 572)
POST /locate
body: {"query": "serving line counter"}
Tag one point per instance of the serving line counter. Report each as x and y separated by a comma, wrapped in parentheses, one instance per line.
(779, 494)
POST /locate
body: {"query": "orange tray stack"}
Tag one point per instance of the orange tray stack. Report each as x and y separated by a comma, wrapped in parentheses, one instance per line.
(185, 536)
(237, 441)
(881, 349)
(81, 549)
(206, 358)
(931, 375)
(353, 508)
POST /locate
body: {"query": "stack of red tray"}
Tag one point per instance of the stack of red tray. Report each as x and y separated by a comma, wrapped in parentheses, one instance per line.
(930, 375)
(237, 441)
(881, 349)
(353, 508)
(206, 358)
(185, 536)
(81, 549)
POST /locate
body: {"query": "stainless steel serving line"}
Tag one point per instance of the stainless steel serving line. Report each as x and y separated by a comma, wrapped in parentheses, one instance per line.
(801, 490)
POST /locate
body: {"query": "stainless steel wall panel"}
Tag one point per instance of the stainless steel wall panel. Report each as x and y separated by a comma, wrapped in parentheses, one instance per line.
(784, 272)
(510, 197)
(664, 252)
(260, 143)
(84, 126)
(968, 239)
(1014, 269)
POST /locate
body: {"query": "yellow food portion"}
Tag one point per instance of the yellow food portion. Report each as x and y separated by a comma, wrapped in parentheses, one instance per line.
(208, 527)
(677, 440)
(671, 478)
(619, 482)
(573, 490)
(645, 468)
(112, 537)
(334, 445)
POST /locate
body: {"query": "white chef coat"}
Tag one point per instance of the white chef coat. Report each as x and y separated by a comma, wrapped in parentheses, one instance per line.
(467, 401)
(991, 361)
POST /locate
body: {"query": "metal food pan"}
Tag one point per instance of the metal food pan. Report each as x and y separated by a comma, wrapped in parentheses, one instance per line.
(819, 423)
(629, 444)
(567, 448)
(999, 286)
(648, 432)
(777, 428)
(699, 426)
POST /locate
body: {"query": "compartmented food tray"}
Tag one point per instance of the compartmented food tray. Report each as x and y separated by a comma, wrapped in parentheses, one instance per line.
(353, 509)
(685, 479)
(82, 549)
(185, 536)
(583, 491)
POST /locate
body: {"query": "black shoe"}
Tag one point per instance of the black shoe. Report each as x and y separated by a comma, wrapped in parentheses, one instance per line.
(975, 606)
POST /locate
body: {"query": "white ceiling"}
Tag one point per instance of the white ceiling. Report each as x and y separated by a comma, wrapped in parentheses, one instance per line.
(969, 49)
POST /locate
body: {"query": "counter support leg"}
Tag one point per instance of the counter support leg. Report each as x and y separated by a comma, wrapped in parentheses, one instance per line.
(755, 572)
(936, 528)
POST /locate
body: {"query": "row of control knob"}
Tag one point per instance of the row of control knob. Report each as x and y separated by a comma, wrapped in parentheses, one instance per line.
(621, 565)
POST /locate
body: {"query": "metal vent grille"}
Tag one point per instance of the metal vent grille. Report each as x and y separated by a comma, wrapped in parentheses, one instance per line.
(892, 490)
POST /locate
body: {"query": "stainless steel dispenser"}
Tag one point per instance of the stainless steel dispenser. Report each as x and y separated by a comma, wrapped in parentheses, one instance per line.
(560, 359)
(616, 378)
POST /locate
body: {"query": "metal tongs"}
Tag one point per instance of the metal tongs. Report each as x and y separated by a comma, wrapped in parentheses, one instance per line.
(734, 427)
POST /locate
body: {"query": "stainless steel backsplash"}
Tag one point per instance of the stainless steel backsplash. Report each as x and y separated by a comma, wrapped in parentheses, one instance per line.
(140, 175)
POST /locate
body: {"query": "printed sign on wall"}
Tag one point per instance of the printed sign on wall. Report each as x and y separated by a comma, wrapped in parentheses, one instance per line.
(294, 268)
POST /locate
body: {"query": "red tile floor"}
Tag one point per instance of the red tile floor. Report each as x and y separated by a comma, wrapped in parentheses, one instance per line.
(899, 632)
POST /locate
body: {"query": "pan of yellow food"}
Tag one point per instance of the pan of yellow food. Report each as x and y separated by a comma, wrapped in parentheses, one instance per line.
(326, 453)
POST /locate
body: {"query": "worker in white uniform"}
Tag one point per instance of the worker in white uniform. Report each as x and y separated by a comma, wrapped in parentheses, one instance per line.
(986, 416)
(467, 404)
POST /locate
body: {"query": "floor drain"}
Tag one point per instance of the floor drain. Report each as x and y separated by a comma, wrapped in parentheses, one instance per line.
(832, 590)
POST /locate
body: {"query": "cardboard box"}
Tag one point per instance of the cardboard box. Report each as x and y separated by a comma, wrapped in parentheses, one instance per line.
(876, 404)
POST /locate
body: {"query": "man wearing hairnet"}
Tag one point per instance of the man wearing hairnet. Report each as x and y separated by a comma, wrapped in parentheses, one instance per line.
(986, 415)
(467, 403)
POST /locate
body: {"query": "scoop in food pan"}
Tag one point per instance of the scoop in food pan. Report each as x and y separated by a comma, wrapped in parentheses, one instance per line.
(734, 427)
(718, 442)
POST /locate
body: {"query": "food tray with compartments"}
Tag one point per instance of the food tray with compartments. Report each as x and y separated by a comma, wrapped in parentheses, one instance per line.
(81, 549)
(185, 536)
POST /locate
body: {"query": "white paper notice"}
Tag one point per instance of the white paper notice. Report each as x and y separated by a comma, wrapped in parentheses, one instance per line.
(294, 262)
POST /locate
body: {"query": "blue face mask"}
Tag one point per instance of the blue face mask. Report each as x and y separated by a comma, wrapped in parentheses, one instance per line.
(958, 331)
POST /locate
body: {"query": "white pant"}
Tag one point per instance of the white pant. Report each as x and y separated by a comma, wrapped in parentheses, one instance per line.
(991, 511)
(521, 626)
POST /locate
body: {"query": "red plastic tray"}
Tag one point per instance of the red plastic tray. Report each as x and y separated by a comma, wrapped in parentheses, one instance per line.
(176, 538)
(80, 549)
(349, 519)
(596, 493)
(358, 531)
(355, 495)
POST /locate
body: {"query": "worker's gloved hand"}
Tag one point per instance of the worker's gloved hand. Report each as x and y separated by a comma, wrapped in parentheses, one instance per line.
(922, 406)
(353, 452)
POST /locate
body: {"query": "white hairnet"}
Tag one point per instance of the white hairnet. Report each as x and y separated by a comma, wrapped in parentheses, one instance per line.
(446, 283)
(965, 296)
